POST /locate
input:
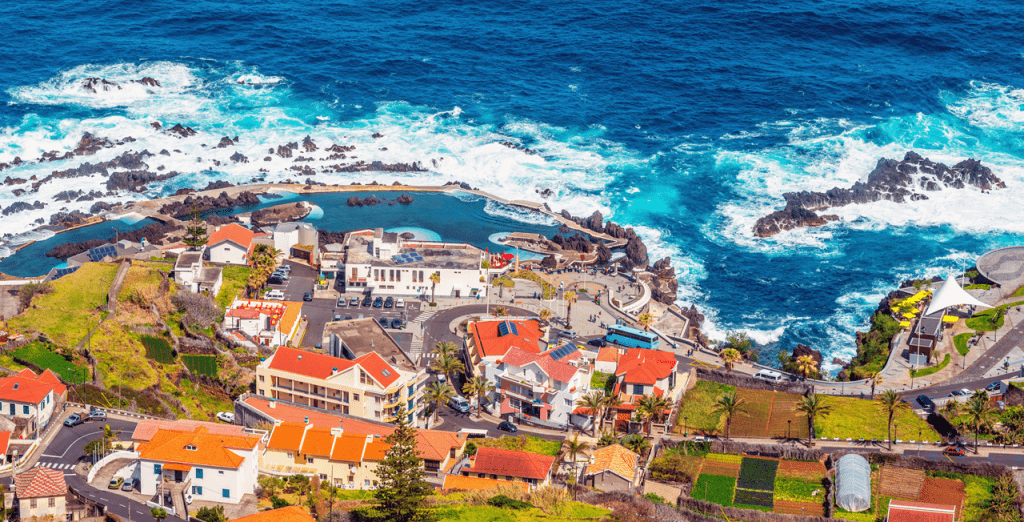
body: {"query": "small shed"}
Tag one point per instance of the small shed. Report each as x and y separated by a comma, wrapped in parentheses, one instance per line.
(853, 483)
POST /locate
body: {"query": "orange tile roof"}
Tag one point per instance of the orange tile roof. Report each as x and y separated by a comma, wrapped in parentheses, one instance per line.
(502, 462)
(284, 412)
(234, 233)
(30, 388)
(285, 514)
(608, 354)
(349, 447)
(292, 313)
(242, 313)
(318, 442)
(615, 458)
(310, 364)
(145, 429)
(904, 511)
(376, 450)
(287, 436)
(641, 366)
(491, 343)
(460, 483)
(437, 445)
(5, 441)
(378, 368)
(210, 450)
(40, 482)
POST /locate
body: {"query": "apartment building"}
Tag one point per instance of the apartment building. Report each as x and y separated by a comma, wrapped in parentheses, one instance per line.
(489, 341)
(542, 385)
(267, 323)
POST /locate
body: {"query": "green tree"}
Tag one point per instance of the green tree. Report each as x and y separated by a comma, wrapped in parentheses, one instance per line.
(1003, 503)
(607, 439)
(730, 356)
(446, 348)
(401, 490)
(449, 365)
(570, 299)
(891, 402)
(814, 407)
(158, 513)
(645, 320)
(271, 485)
(650, 407)
(574, 447)
(438, 393)
(806, 365)
(195, 230)
(478, 387)
(636, 443)
(435, 279)
(730, 404)
(593, 401)
(738, 341)
(214, 514)
(610, 405)
(978, 413)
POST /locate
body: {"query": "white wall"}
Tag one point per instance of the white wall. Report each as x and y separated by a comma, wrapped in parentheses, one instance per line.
(227, 252)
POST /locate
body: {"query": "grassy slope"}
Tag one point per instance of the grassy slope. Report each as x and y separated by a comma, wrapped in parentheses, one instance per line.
(41, 355)
(570, 511)
(960, 342)
(235, 280)
(863, 419)
(67, 314)
(697, 404)
(931, 369)
(526, 443)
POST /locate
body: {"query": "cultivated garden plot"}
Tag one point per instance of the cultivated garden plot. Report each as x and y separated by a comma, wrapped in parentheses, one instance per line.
(901, 483)
(714, 488)
(811, 470)
(757, 474)
(786, 421)
(757, 411)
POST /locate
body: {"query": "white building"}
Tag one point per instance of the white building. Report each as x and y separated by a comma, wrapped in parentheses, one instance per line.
(33, 397)
(545, 386)
(190, 273)
(288, 236)
(384, 263)
(212, 467)
(269, 323)
(231, 243)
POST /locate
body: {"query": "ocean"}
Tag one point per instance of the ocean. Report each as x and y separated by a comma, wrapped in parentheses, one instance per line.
(686, 121)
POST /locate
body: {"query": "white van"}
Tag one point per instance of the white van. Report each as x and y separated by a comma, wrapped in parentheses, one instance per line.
(769, 376)
(274, 294)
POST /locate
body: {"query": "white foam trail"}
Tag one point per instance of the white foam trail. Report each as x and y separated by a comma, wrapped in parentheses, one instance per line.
(519, 214)
(989, 106)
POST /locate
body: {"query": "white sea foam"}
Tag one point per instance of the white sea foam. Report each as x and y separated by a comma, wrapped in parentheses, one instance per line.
(518, 214)
(989, 106)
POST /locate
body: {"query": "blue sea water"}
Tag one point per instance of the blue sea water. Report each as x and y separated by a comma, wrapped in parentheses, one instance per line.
(687, 121)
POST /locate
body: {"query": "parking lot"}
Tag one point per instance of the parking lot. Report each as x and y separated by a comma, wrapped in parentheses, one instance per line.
(319, 312)
(299, 282)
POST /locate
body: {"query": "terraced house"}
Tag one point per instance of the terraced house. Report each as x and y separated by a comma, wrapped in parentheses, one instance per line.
(29, 399)
(366, 375)
(511, 466)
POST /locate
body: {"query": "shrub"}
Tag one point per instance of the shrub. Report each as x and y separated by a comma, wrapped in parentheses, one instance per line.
(654, 498)
(278, 502)
(470, 448)
(502, 501)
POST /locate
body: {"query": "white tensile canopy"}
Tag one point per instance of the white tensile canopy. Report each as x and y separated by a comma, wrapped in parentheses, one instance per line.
(950, 294)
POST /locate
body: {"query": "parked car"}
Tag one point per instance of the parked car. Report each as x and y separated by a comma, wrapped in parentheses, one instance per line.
(994, 387)
(354, 301)
(97, 415)
(954, 451)
(925, 402)
(571, 334)
(226, 416)
(286, 268)
(459, 404)
(508, 426)
(383, 322)
(956, 393)
(308, 296)
(74, 420)
(274, 294)
(188, 498)
(400, 303)
(337, 317)
(115, 483)
(348, 317)
(600, 343)
(367, 301)
(342, 302)
(128, 485)
(281, 275)
(275, 281)
(396, 324)
(389, 302)
(704, 438)
(378, 302)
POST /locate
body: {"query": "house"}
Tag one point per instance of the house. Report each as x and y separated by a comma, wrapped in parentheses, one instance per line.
(41, 493)
(106, 253)
(611, 468)
(230, 244)
(212, 467)
(269, 323)
(190, 273)
(905, 511)
(643, 372)
(147, 428)
(31, 397)
(300, 240)
(608, 359)
(510, 465)
(5, 443)
(285, 514)
(541, 385)
(386, 264)
(463, 483)
(489, 341)
(349, 460)
(365, 374)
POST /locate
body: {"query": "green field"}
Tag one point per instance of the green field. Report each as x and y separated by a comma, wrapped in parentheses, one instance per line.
(931, 369)
(73, 308)
(863, 419)
(696, 407)
(798, 490)
(201, 364)
(527, 443)
(158, 349)
(236, 278)
(960, 342)
(44, 357)
(982, 321)
(714, 488)
(569, 512)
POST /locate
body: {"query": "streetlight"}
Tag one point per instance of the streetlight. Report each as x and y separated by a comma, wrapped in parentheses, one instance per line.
(895, 428)
(789, 430)
(685, 431)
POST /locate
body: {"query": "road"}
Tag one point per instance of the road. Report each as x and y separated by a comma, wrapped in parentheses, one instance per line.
(65, 452)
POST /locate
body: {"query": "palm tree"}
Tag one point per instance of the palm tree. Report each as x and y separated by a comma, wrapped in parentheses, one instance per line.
(607, 439)
(445, 349)
(545, 315)
(730, 404)
(570, 298)
(636, 443)
(951, 409)
(730, 356)
(500, 311)
(593, 401)
(449, 365)
(813, 406)
(876, 380)
(435, 279)
(645, 320)
(611, 405)
(978, 412)
(438, 392)
(651, 407)
(574, 447)
(806, 364)
(891, 402)
(478, 387)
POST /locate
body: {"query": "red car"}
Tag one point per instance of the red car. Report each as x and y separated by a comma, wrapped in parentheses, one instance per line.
(954, 451)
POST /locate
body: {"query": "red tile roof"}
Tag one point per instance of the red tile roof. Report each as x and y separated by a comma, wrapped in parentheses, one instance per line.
(146, 428)
(232, 232)
(243, 313)
(283, 412)
(491, 343)
(520, 464)
(556, 370)
(40, 482)
(27, 387)
(318, 442)
(645, 366)
(285, 514)
(310, 364)
(208, 449)
(904, 511)
(377, 368)
(608, 354)
(287, 436)
(437, 445)
(5, 441)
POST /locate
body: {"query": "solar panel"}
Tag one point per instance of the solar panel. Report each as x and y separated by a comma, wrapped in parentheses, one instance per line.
(98, 253)
(563, 351)
(506, 327)
(61, 272)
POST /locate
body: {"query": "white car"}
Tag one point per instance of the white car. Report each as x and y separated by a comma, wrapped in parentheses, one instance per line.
(275, 295)
(400, 303)
(226, 416)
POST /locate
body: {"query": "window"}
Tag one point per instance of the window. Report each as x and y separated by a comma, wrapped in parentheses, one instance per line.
(323, 476)
(376, 274)
(53, 501)
(226, 493)
(638, 389)
(355, 397)
(261, 378)
(398, 277)
(261, 392)
(199, 473)
(197, 490)
(32, 503)
(568, 402)
(220, 472)
(191, 447)
(290, 456)
(24, 409)
(366, 483)
(508, 477)
(309, 460)
(156, 469)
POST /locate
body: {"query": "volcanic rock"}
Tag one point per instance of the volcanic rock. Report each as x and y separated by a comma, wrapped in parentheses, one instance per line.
(147, 81)
(181, 209)
(219, 184)
(68, 218)
(788, 219)
(227, 142)
(182, 132)
(135, 179)
(237, 157)
(307, 144)
(89, 144)
(280, 213)
(95, 85)
(636, 252)
(100, 206)
(19, 206)
(404, 199)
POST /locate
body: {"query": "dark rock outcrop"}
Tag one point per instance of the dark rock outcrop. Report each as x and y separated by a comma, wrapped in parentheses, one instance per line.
(404, 199)
(66, 250)
(891, 180)
(237, 157)
(182, 132)
(307, 144)
(68, 218)
(148, 82)
(604, 254)
(100, 206)
(219, 184)
(801, 350)
(135, 179)
(95, 85)
(636, 252)
(89, 144)
(226, 141)
(19, 206)
(182, 209)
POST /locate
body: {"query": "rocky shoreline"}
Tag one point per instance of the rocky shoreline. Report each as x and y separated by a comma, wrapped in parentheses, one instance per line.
(891, 180)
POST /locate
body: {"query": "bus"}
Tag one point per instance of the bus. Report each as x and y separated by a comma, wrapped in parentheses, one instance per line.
(631, 337)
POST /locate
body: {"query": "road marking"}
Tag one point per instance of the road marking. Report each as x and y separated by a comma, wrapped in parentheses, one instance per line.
(97, 432)
(702, 364)
(54, 456)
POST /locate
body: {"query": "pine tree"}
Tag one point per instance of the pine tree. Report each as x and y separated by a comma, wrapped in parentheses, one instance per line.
(401, 489)
(195, 230)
